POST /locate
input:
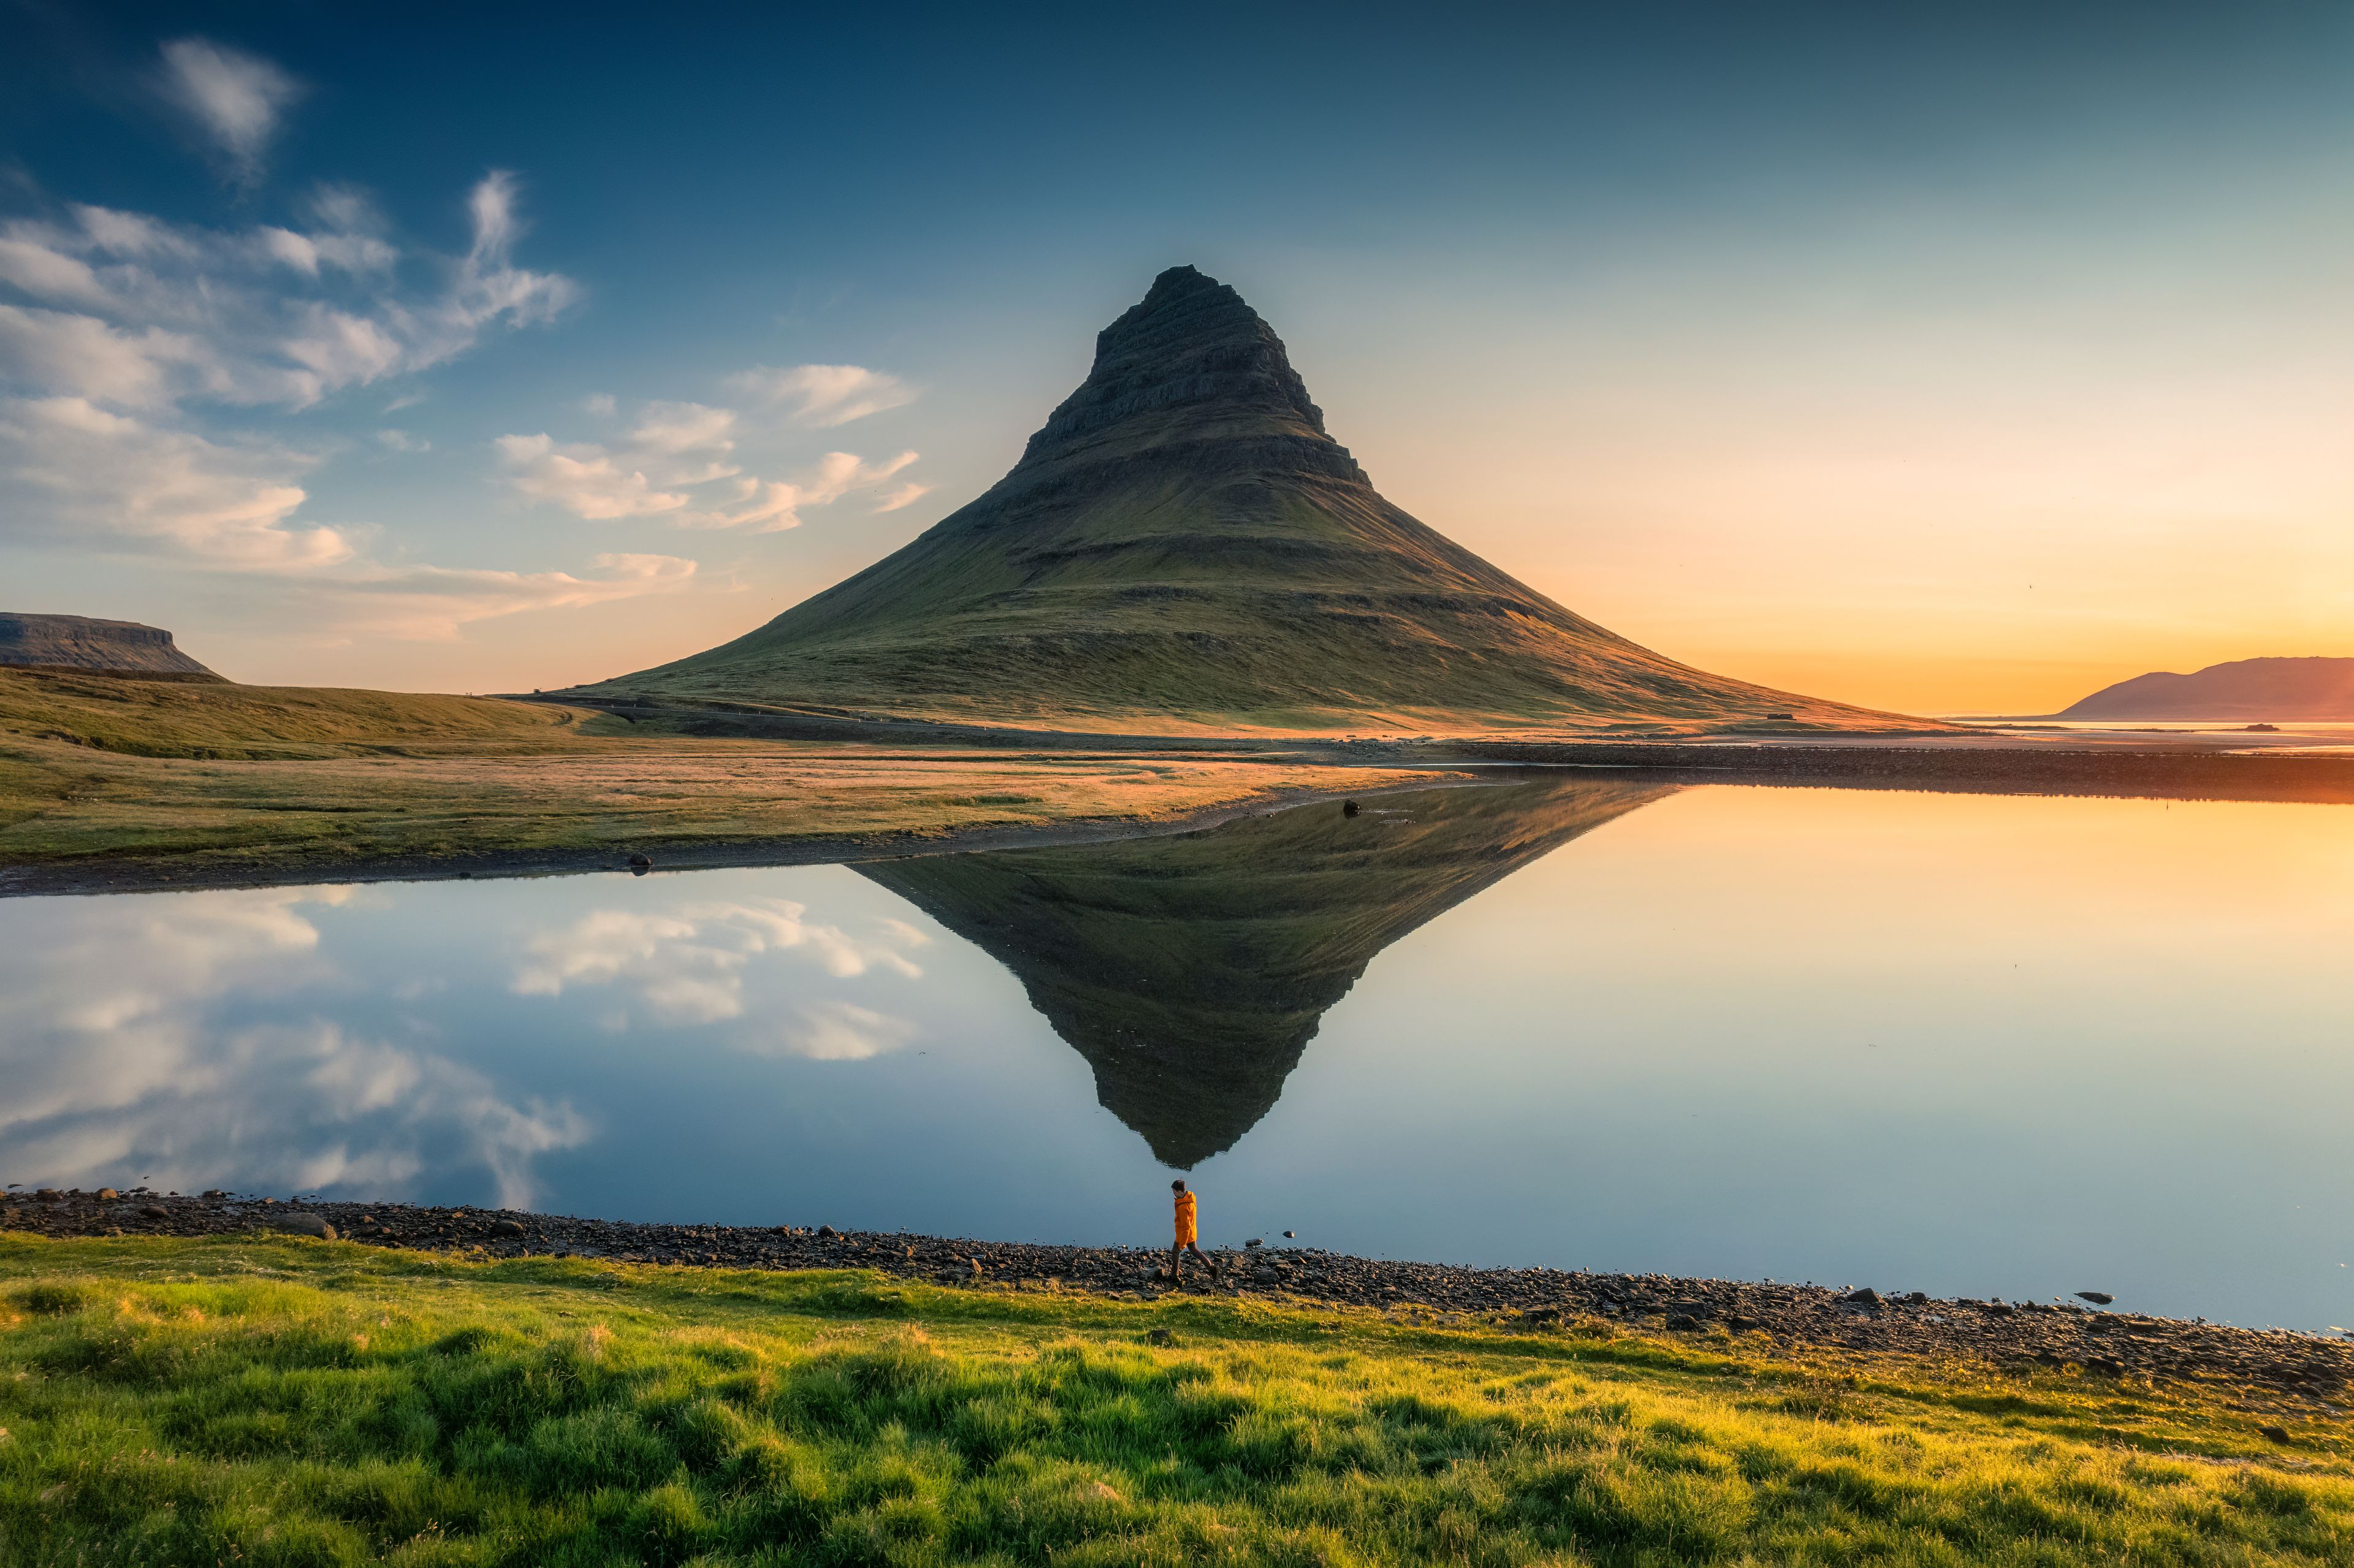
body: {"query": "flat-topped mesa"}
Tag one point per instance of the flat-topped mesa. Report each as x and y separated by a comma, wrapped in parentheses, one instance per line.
(98, 646)
(1188, 364)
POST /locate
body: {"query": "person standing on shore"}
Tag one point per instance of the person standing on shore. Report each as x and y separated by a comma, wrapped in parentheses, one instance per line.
(1187, 1236)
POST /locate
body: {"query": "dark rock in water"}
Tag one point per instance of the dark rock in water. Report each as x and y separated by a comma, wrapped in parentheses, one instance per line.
(1287, 1235)
(96, 647)
(1255, 1241)
(2097, 1298)
(641, 861)
(301, 1224)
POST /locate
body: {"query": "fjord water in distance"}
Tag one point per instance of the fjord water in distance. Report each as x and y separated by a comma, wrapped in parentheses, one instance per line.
(1979, 1045)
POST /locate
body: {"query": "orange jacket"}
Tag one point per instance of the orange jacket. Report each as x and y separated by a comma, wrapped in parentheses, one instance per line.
(1184, 1219)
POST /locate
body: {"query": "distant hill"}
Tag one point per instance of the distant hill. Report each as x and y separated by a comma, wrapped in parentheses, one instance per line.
(1183, 547)
(78, 643)
(2256, 689)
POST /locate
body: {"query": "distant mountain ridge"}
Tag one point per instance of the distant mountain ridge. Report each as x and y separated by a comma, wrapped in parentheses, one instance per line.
(105, 646)
(2255, 689)
(1183, 545)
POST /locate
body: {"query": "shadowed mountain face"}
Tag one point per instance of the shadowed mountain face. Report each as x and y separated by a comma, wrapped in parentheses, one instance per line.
(1191, 972)
(1183, 545)
(80, 642)
(2243, 689)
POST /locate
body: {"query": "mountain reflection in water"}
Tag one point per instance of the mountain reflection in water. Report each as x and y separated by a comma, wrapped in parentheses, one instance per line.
(1191, 972)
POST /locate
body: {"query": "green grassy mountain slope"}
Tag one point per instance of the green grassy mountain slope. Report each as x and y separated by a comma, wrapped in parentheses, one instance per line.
(1192, 972)
(1182, 545)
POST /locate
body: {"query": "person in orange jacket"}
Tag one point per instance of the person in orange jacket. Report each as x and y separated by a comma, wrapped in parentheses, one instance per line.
(1187, 1235)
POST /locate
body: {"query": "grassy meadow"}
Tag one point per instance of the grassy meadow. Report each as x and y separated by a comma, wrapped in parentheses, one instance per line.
(190, 777)
(291, 1402)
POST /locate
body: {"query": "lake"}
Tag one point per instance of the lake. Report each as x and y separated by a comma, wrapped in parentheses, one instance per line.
(1967, 1044)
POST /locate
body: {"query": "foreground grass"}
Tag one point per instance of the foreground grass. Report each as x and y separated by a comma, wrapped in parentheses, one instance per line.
(184, 776)
(291, 1402)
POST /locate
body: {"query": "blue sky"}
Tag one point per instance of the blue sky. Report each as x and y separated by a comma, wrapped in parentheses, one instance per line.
(1934, 360)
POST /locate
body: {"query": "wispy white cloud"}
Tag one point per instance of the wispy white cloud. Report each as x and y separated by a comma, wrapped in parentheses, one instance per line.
(129, 309)
(902, 496)
(686, 966)
(87, 472)
(823, 395)
(672, 429)
(673, 450)
(836, 1032)
(236, 100)
(129, 323)
(118, 1062)
(426, 604)
(583, 479)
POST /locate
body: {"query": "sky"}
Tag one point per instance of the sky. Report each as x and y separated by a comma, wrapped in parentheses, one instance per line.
(1943, 359)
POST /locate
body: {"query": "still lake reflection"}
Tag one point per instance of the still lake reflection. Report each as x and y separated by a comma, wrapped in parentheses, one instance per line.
(1958, 1043)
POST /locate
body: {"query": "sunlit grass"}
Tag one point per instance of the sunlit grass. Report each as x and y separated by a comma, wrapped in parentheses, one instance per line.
(197, 1401)
(183, 776)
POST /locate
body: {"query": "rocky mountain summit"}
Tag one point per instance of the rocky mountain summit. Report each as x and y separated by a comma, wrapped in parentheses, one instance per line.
(1184, 546)
(103, 646)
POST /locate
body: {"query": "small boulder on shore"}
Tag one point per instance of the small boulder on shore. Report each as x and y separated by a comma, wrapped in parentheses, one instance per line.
(300, 1223)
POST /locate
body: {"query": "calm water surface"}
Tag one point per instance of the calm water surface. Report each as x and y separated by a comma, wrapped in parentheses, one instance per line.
(1964, 1045)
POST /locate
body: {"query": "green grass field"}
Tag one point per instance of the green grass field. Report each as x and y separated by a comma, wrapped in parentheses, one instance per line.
(293, 1401)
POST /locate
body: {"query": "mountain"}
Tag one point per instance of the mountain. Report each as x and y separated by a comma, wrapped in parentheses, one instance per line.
(103, 647)
(2255, 689)
(1184, 547)
(1191, 972)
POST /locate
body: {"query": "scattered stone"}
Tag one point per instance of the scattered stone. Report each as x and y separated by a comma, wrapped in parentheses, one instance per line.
(642, 862)
(2097, 1298)
(1867, 1297)
(2294, 1366)
(300, 1223)
(1287, 1235)
(1255, 1241)
(108, 1194)
(1349, 808)
(2273, 1434)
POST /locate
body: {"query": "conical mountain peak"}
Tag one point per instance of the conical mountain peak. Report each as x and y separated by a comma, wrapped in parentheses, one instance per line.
(1182, 547)
(1190, 361)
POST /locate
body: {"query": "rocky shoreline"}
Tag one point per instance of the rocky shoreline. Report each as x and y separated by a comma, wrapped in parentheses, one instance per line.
(2309, 1371)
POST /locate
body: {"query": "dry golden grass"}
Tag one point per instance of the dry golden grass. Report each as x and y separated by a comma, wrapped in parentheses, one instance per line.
(280, 778)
